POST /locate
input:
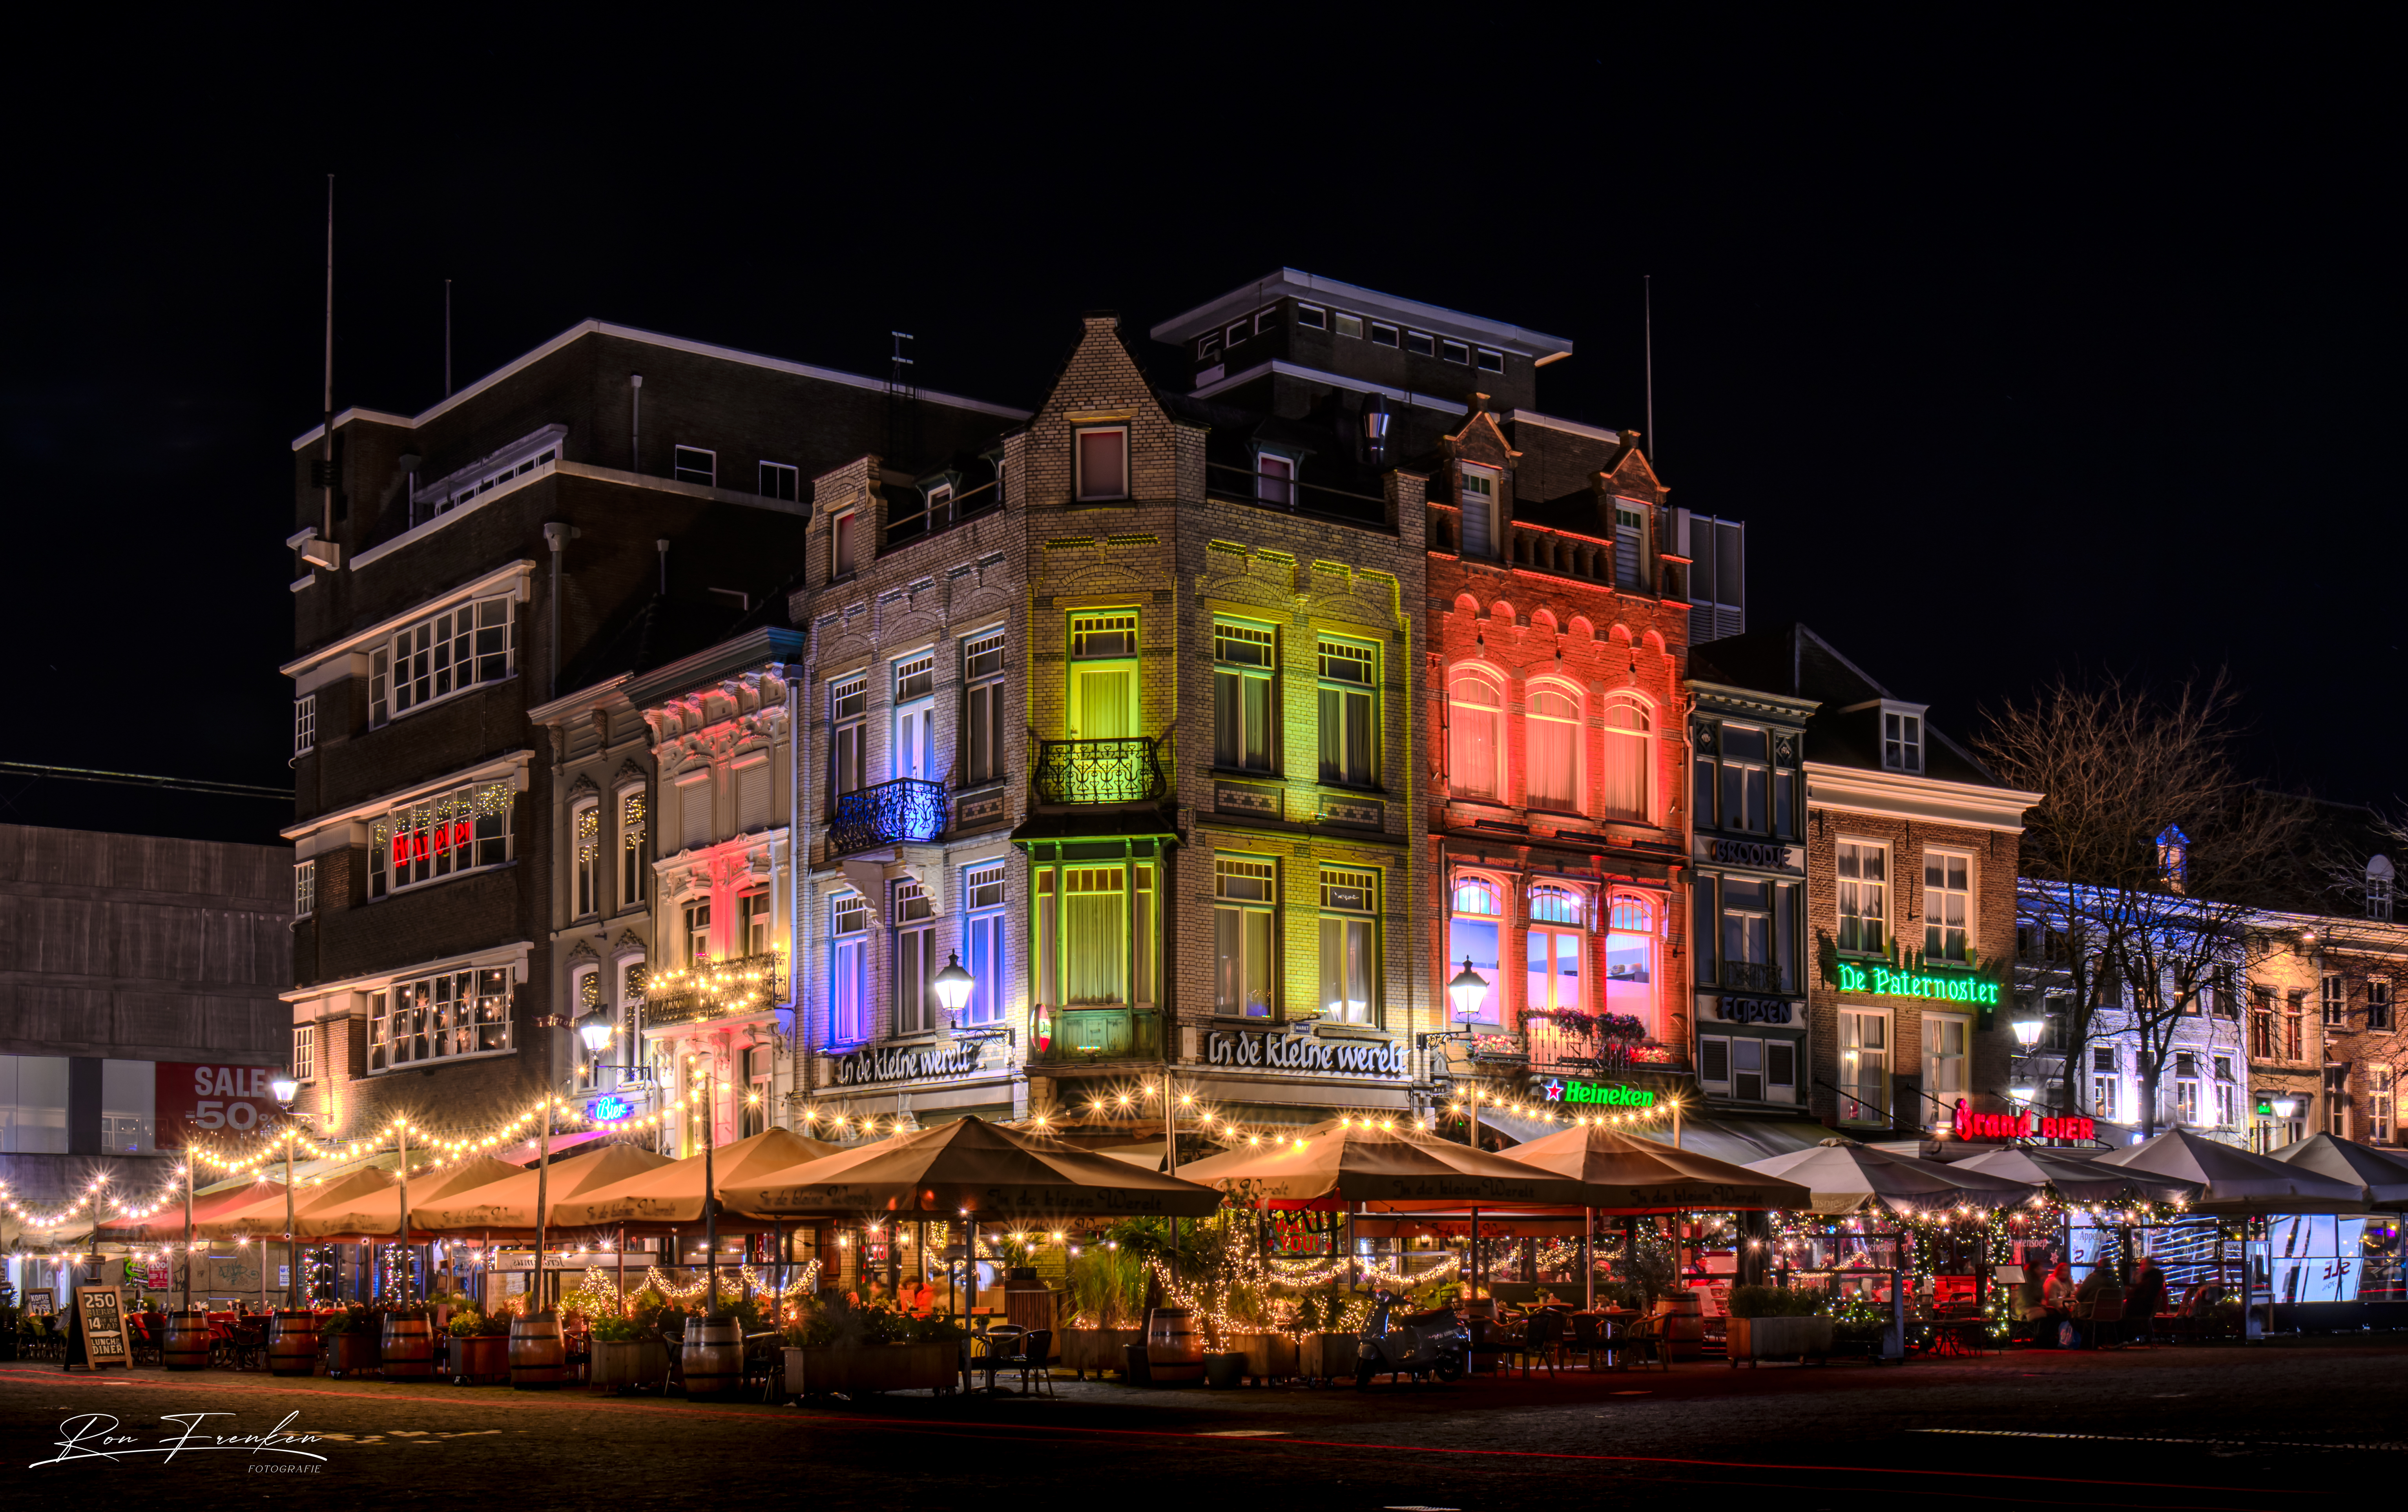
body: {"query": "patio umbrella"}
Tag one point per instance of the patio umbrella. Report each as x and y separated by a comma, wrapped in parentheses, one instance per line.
(372, 1212)
(2383, 1175)
(2081, 1180)
(1847, 1178)
(2238, 1182)
(505, 1208)
(1351, 1159)
(169, 1221)
(1621, 1171)
(670, 1196)
(266, 1215)
(970, 1164)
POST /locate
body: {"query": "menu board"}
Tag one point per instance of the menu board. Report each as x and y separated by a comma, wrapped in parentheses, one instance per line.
(40, 1301)
(100, 1311)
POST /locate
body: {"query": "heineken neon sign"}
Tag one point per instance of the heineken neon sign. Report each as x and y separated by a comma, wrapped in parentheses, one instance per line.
(1955, 987)
(1602, 1096)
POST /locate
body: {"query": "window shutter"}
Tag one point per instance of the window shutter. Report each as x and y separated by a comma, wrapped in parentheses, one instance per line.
(752, 796)
(694, 813)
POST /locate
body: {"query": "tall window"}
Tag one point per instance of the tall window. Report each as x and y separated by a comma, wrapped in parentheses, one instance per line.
(849, 970)
(1479, 500)
(1947, 904)
(1863, 1067)
(1628, 788)
(1104, 676)
(2187, 1088)
(848, 711)
(752, 923)
(1477, 910)
(1349, 713)
(1350, 945)
(915, 716)
(2380, 876)
(305, 1052)
(585, 860)
(304, 889)
(439, 836)
(463, 647)
(847, 544)
(982, 897)
(2261, 1022)
(983, 706)
(1902, 741)
(2378, 1002)
(1275, 478)
(2329, 998)
(455, 1013)
(1630, 545)
(698, 932)
(1103, 463)
(2106, 1084)
(1632, 937)
(1746, 782)
(2294, 1033)
(585, 994)
(1746, 934)
(2228, 1095)
(915, 959)
(2378, 1103)
(1864, 887)
(1944, 1058)
(1245, 982)
(1476, 738)
(1244, 675)
(304, 724)
(1554, 732)
(1555, 944)
(1096, 932)
(633, 858)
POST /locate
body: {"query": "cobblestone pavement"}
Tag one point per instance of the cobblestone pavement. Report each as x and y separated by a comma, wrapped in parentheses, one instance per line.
(2294, 1423)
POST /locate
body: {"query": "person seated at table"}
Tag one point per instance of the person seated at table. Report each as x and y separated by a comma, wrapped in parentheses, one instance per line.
(2032, 1297)
(2056, 1295)
(2145, 1296)
(918, 1297)
(877, 1296)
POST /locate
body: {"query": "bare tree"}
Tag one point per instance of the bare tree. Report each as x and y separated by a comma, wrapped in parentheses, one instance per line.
(2143, 860)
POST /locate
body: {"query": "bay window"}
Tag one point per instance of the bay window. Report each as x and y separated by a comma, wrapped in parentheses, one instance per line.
(460, 831)
(465, 647)
(450, 1015)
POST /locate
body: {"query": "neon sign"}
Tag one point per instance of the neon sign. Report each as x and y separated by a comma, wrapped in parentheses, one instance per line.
(608, 1110)
(1972, 1125)
(1598, 1095)
(1880, 981)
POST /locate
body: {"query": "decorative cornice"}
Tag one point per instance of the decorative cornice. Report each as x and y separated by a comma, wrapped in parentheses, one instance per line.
(1899, 795)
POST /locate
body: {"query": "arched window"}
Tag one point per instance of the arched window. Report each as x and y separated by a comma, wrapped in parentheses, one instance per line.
(1476, 744)
(1472, 937)
(1631, 944)
(1628, 759)
(1556, 947)
(1555, 751)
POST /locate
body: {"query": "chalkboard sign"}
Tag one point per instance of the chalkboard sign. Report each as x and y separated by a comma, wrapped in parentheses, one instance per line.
(99, 1328)
(40, 1301)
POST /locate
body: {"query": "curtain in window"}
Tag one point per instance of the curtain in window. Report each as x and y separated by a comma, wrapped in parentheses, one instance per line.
(1106, 704)
(1242, 943)
(1346, 967)
(1626, 793)
(1475, 940)
(1242, 720)
(1475, 738)
(1554, 746)
(1092, 964)
(1346, 736)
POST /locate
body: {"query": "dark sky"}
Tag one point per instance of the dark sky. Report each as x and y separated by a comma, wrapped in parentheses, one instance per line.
(2021, 347)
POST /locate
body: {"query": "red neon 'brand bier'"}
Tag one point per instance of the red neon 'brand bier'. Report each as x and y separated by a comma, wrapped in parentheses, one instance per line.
(1972, 1125)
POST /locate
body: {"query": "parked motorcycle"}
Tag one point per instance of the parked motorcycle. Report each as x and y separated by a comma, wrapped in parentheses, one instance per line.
(1421, 1344)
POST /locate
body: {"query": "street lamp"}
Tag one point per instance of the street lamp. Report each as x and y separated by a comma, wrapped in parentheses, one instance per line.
(954, 984)
(285, 1089)
(2286, 1106)
(2026, 1032)
(594, 1030)
(2023, 1092)
(1468, 987)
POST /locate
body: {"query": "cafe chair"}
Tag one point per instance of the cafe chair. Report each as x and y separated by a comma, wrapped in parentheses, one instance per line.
(1587, 1338)
(2105, 1308)
(1644, 1343)
(1032, 1353)
(1543, 1339)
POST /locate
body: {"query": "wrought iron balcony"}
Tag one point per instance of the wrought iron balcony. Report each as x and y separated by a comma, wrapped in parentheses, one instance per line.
(1087, 1035)
(906, 808)
(1125, 771)
(715, 989)
(1751, 976)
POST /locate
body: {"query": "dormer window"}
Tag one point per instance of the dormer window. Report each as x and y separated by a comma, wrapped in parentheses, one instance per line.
(2173, 856)
(2379, 878)
(1275, 478)
(1901, 738)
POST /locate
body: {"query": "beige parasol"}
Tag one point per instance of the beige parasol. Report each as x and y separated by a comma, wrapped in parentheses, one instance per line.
(1621, 1172)
(506, 1208)
(670, 1196)
(970, 1165)
(1353, 1159)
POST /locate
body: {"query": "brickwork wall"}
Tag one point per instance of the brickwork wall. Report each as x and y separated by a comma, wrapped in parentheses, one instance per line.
(2360, 952)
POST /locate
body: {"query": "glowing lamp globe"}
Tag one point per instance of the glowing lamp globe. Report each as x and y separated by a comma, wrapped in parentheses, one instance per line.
(1468, 987)
(595, 1029)
(954, 984)
(284, 1089)
(2026, 1032)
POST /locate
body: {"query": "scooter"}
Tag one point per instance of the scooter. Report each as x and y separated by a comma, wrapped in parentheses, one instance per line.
(1422, 1344)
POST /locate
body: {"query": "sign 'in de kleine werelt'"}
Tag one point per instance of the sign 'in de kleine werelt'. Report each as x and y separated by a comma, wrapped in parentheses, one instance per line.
(908, 1064)
(1300, 1051)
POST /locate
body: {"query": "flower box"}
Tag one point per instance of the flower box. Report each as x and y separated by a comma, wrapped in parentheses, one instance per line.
(1083, 1350)
(355, 1353)
(874, 1367)
(621, 1364)
(1779, 1338)
(1269, 1357)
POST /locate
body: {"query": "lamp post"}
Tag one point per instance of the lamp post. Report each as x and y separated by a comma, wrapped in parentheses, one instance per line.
(543, 1157)
(2028, 1033)
(286, 1090)
(1466, 987)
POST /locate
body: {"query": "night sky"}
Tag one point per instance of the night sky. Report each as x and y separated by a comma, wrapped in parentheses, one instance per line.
(2018, 348)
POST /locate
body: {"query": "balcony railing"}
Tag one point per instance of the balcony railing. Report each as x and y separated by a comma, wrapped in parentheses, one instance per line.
(1560, 1051)
(1125, 771)
(1751, 976)
(715, 989)
(906, 808)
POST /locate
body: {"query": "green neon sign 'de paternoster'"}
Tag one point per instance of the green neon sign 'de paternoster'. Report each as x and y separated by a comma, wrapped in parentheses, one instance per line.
(1880, 981)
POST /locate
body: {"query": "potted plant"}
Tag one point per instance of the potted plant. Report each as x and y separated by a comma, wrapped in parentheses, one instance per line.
(857, 1350)
(480, 1348)
(350, 1341)
(626, 1354)
(1104, 1294)
(1778, 1322)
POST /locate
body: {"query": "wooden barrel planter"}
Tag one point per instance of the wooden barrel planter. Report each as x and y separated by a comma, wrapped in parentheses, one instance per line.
(292, 1343)
(480, 1359)
(1174, 1346)
(538, 1355)
(714, 1358)
(188, 1340)
(349, 1354)
(1684, 1325)
(408, 1349)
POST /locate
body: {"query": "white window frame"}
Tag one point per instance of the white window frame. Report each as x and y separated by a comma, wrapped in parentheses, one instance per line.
(400, 665)
(1420, 343)
(484, 1023)
(985, 933)
(1350, 652)
(756, 921)
(848, 725)
(1942, 894)
(1879, 944)
(916, 962)
(304, 888)
(1345, 322)
(2378, 1004)
(1275, 478)
(1452, 351)
(1933, 1054)
(1486, 786)
(920, 707)
(1481, 501)
(1489, 361)
(1342, 918)
(1385, 334)
(634, 808)
(1904, 738)
(305, 1052)
(679, 465)
(1851, 1019)
(304, 724)
(2331, 999)
(1232, 875)
(585, 857)
(1236, 642)
(2381, 1110)
(777, 474)
(983, 697)
(695, 931)
(1484, 888)
(1312, 316)
(1082, 492)
(435, 821)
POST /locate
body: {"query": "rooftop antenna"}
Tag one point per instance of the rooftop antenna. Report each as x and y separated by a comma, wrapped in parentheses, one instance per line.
(446, 338)
(326, 452)
(1647, 307)
(900, 392)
